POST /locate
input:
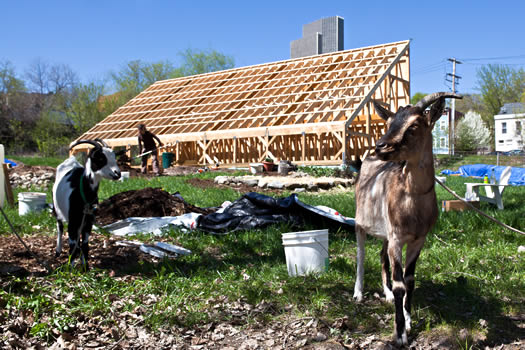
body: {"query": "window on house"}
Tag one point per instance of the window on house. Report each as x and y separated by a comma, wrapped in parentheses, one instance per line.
(504, 128)
(518, 128)
(442, 142)
(442, 125)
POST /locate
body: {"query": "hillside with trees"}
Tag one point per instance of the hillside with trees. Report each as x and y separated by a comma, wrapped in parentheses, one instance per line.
(46, 106)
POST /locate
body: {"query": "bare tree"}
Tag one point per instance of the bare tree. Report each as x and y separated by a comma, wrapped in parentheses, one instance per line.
(61, 78)
(37, 76)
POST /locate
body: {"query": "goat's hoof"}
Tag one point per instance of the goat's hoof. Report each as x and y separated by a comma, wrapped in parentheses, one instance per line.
(358, 296)
(57, 254)
(408, 320)
(403, 340)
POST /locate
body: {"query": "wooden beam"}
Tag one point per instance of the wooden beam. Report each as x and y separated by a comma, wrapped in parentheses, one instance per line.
(8, 189)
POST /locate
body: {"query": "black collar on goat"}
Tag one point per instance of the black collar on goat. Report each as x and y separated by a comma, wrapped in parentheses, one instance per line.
(396, 200)
(75, 192)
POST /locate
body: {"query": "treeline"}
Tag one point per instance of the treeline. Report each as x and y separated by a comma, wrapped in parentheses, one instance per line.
(45, 107)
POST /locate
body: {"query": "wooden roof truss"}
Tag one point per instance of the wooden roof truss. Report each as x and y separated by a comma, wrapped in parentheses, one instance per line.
(313, 110)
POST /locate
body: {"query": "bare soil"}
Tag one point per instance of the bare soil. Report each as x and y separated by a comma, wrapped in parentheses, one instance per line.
(147, 202)
(242, 188)
(15, 260)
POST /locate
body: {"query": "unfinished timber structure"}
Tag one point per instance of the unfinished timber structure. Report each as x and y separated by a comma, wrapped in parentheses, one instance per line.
(310, 110)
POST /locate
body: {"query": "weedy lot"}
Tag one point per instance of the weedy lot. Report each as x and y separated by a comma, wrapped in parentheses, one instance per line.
(234, 290)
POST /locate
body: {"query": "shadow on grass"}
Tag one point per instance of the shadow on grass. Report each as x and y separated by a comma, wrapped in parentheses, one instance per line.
(460, 305)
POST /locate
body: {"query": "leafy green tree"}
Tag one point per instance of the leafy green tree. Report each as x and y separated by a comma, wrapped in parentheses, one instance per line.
(12, 91)
(136, 76)
(83, 110)
(201, 61)
(416, 97)
(499, 84)
(52, 134)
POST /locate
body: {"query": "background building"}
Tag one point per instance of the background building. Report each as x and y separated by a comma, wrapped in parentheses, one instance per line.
(509, 126)
(441, 132)
(322, 36)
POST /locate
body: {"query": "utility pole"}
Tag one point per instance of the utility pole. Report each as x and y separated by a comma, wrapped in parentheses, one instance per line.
(451, 127)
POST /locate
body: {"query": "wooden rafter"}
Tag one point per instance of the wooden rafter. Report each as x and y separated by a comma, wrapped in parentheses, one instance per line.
(289, 108)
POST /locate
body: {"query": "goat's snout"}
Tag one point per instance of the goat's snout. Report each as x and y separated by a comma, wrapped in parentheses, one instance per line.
(381, 145)
(116, 174)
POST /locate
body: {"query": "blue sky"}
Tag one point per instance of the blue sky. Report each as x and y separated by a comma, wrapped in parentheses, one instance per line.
(97, 36)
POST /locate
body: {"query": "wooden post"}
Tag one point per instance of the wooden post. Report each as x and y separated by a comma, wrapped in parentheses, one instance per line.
(267, 138)
(234, 150)
(303, 151)
(8, 189)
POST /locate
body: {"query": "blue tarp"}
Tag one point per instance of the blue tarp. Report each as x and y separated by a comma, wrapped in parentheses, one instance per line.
(9, 162)
(517, 175)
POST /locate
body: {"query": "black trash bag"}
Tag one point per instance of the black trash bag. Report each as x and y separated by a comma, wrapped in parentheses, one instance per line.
(255, 210)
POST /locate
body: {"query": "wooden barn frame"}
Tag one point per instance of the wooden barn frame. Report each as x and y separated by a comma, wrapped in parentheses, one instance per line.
(311, 110)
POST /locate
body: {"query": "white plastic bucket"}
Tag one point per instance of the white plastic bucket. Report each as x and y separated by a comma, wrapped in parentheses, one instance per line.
(306, 252)
(31, 202)
(124, 176)
(2, 178)
(256, 168)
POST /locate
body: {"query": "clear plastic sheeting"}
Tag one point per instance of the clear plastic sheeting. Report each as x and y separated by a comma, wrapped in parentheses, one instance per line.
(159, 249)
(517, 175)
(155, 225)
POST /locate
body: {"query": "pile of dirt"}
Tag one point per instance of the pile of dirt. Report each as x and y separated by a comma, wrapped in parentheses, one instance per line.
(147, 202)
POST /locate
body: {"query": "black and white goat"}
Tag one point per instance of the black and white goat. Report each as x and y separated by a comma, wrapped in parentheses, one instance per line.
(75, 193)
(396, 200)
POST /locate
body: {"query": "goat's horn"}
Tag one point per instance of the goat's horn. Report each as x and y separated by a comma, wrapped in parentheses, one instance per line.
(102, 142)
(429, 99)
(93, 143)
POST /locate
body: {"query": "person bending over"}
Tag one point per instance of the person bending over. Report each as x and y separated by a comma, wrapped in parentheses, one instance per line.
(147, 144)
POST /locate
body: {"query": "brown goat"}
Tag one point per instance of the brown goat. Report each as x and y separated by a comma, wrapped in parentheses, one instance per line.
(396, 201)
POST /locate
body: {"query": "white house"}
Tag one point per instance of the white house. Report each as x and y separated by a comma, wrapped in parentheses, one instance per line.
(440, 133)
(509, 127)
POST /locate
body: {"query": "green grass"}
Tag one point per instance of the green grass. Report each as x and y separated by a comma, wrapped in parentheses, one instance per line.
(469, 270)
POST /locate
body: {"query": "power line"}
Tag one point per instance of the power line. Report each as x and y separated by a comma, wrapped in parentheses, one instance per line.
(493, 58)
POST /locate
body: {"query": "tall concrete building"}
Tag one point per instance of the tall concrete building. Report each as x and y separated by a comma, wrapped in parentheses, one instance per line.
(321, 36)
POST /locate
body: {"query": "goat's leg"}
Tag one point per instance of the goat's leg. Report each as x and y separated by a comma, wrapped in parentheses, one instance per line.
(413, 250)
(60, 232)
(358, 288)
(385, 273)
(74, 244)
(85, 244)
(395, 254)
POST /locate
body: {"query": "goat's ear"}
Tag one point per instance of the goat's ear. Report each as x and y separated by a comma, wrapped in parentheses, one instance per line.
(436, 110)
(382, 112)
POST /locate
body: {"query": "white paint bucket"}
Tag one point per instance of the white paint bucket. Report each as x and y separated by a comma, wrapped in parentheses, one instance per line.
(31, 202)
(124, 175)
(256, 168)
(2, 177)
(306, 252)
